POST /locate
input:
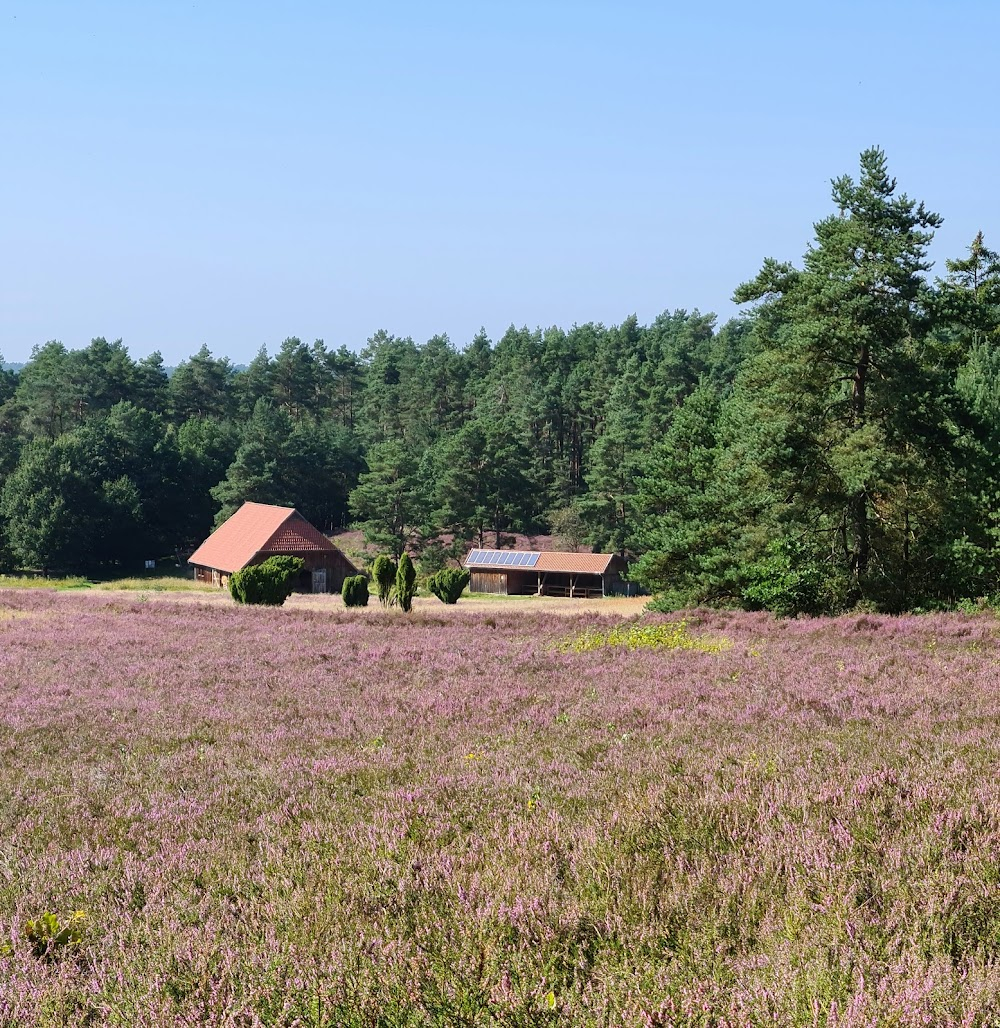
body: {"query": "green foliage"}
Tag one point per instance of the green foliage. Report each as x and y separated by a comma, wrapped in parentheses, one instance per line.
(789, 580)
(201, 385)
(255, 473)
(569, 528)
(269, 583)
(388, 500)
(449, 583)
(670, 635)
(433, 557)
(406, 579)
(355, 591)
(296, 462)
(482, 478)
(51, 939)
(682, 524)
(615, 462)
(106, 492)
(384, 575)
(845, 430)
(207, 447)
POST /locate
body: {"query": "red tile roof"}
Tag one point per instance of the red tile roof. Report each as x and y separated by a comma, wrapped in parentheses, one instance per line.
(578, 563)
(296, 535)
(258, 528)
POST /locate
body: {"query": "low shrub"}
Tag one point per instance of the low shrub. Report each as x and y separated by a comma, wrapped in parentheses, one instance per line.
(355, 591)
(269, 583)
(789, 580)
(50, 938)
(406, 580)
(384, 574)
(449, 583)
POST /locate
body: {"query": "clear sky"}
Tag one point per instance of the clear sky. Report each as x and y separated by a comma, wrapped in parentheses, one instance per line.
(234, 173)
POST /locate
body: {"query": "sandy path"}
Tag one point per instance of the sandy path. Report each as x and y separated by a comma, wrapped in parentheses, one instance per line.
(618, 605)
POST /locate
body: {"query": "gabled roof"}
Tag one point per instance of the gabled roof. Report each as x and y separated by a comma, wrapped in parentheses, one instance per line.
(540, 561)
(582, 563)
(258, 528)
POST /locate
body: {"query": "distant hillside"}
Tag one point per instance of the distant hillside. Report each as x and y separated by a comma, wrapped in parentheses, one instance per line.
(12, 367)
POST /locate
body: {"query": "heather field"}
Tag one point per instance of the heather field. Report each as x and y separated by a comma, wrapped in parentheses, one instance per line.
(321, 817)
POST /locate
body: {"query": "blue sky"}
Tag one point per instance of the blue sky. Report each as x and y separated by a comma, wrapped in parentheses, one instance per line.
(233, 173)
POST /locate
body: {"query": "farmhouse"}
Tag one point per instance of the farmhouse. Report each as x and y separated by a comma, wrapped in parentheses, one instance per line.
(260, 530)
(545, 573)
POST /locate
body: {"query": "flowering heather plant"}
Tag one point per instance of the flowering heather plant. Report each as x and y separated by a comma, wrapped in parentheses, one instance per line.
(308, 816)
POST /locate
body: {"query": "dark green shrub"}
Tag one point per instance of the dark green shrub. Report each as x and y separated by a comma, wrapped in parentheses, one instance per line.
(406, 579)
(355, 591)
(788, 580)
(384, 573)
(269, 583)
(449, 583)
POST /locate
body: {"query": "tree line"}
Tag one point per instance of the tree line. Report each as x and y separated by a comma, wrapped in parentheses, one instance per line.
(106, 459)
(835, 445)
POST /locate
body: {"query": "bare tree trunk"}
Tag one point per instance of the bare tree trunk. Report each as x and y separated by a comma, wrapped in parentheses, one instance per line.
(861, 550)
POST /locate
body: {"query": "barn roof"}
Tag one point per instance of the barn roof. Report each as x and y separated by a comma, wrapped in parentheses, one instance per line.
(258, 528)
(539, 560)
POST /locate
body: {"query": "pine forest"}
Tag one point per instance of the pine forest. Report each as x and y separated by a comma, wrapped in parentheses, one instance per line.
(834, 447)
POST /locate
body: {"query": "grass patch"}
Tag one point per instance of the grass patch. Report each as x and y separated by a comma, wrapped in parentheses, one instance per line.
(156, 584)
(38, 582)
(176, 582)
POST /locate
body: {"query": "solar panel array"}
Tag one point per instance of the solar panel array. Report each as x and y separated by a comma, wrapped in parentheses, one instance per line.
(501, 558)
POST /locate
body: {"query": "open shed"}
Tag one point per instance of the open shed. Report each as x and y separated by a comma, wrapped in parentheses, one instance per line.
(545, 573)
(261, 530)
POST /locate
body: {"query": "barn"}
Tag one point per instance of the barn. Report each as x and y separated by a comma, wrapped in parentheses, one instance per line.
(545, 573)
(261, 530)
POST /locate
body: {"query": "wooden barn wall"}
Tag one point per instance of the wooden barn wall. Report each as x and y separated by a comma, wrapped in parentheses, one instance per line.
(488, 582)
(333, 562)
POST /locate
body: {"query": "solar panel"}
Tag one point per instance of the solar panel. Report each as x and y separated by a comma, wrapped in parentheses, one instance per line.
(501, 558)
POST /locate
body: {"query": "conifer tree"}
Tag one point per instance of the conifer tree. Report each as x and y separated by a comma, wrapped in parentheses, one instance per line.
(841, 428)
(406, 579)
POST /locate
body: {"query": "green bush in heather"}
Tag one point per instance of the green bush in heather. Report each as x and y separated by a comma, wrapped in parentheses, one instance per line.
(384, 573)
(449, 583)
(355, 591)
(406, 581)
(269, 583)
